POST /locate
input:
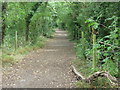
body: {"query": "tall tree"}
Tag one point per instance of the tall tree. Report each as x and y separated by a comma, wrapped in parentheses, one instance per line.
(29, 16)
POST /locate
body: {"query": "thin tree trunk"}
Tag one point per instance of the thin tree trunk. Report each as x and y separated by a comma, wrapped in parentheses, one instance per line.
(27, 30)
(83, 45)
(94, 51)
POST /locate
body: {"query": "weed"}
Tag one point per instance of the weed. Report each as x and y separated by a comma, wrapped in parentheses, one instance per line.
(10, 56)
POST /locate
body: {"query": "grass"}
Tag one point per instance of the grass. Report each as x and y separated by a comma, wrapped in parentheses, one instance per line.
(7, 60)
(85, 67)
(10, 56)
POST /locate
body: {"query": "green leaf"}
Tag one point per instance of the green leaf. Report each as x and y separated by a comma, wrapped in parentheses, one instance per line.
(106, 59)
(106, 54)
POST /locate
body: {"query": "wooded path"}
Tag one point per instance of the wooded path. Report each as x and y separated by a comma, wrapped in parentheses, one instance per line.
(49, 67)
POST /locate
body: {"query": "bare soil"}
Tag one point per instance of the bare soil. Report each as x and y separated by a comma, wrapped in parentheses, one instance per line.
(49, 67)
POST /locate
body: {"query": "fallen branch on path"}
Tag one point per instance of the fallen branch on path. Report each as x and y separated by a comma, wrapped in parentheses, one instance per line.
(91, 78)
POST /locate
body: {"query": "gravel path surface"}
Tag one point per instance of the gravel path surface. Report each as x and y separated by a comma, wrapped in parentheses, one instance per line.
(48, 67)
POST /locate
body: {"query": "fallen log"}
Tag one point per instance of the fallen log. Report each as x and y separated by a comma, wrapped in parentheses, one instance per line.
(95, 75)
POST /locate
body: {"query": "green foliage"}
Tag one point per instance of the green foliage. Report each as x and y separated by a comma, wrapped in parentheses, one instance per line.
(85, 16)
(81, 47)
(92, 23)
(10, 56)
(40, 23)
(110, 52)
(101, 19)
(16, 19)
(93, 18)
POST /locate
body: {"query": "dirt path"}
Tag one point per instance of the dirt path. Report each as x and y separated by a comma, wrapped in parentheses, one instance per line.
(44, 68)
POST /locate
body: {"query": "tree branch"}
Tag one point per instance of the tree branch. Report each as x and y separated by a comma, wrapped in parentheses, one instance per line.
(110, 45)
(95, 75)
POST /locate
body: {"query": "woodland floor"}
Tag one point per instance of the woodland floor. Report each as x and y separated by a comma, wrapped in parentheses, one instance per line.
(49, 67)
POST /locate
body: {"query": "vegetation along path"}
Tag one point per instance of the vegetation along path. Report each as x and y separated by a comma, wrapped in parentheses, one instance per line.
(48, 67)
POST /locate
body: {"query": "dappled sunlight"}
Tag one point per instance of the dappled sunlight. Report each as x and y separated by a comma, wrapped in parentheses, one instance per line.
(51, 50)
(57, 31)
(61, 34)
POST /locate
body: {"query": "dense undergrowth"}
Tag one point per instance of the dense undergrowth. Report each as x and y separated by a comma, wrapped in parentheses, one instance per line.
(25, 30)
(95, 29)
(11, 56)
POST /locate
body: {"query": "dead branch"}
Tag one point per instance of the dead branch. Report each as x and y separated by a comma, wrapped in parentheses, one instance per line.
(91, 78)
(110, 45)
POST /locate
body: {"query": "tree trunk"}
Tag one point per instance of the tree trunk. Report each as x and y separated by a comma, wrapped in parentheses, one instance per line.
(4, 6)
(27, 30)
(28, 18)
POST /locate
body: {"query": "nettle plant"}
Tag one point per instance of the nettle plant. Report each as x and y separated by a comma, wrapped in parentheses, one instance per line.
(108, 52)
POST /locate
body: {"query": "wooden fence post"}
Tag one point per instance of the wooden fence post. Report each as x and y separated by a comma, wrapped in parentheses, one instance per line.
(94, 51)
(16, 40)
